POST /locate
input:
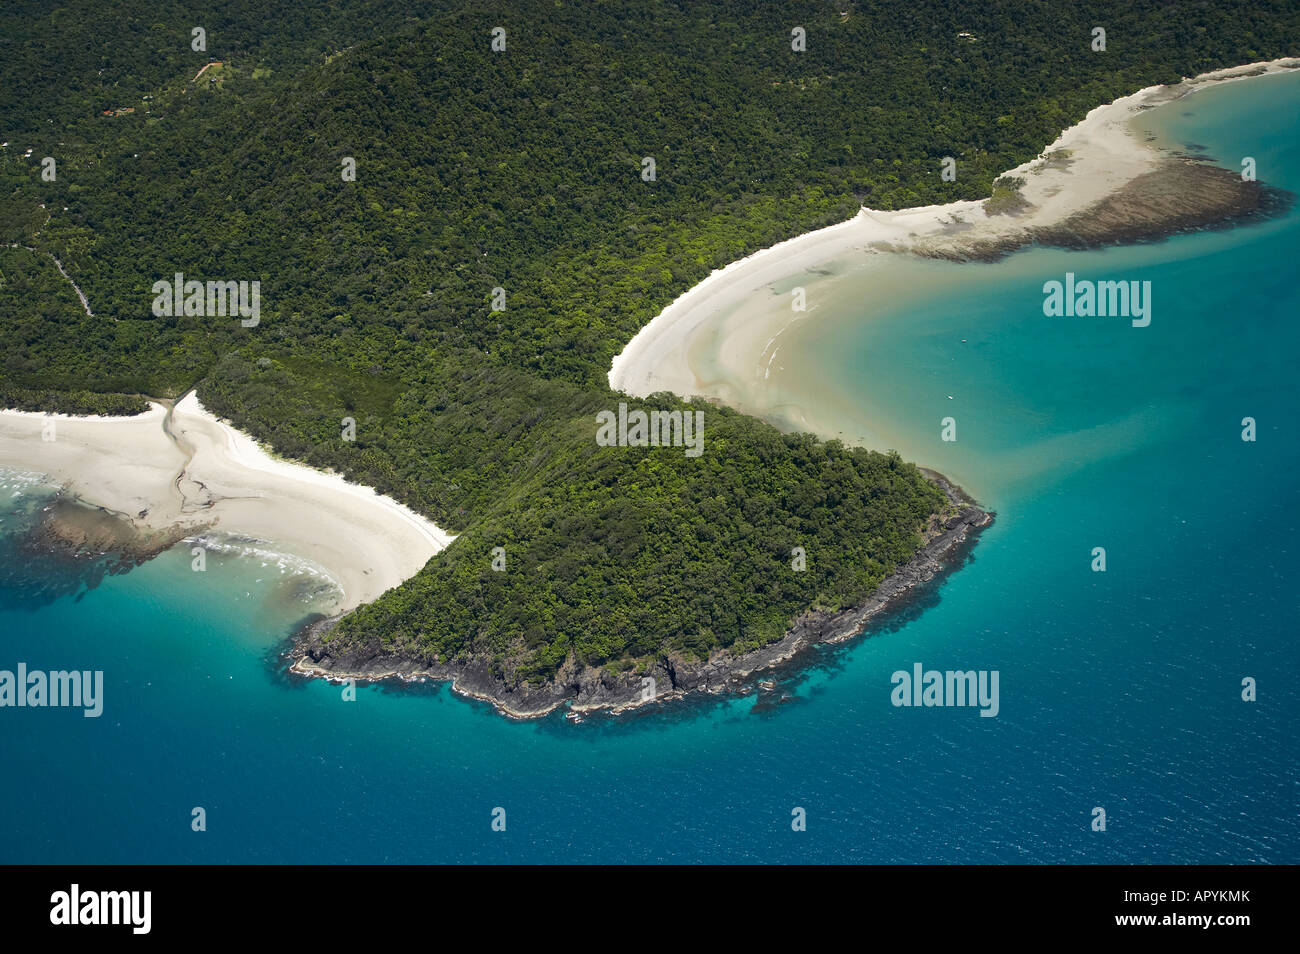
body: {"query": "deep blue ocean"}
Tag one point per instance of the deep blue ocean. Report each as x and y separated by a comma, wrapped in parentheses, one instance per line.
(1120, 690)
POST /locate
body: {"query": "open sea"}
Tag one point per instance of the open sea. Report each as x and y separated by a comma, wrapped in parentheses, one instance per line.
(1119, 690)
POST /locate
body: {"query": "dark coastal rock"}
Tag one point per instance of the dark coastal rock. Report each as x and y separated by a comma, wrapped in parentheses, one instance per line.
(78, 530)
(585, 688)
(67, 548)
(1182, 194)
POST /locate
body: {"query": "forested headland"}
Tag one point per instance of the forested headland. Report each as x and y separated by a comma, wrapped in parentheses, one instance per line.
(521, 170)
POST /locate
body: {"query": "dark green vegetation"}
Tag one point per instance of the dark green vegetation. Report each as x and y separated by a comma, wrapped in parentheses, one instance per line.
(521, 169)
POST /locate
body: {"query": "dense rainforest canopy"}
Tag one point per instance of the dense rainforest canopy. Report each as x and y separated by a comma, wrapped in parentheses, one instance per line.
(521, 169)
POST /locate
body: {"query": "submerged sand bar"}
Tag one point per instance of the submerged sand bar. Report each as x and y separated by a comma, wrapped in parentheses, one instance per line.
(191, 470)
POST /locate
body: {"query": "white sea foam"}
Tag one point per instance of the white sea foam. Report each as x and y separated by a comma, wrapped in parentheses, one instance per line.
(268, 554)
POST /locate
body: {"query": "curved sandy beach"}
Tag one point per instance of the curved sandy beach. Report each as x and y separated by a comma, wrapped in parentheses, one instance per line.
(1087, 163)
(130, 465)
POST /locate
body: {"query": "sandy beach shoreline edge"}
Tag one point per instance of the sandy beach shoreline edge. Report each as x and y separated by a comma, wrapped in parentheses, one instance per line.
(178, 471)
(1086, 165)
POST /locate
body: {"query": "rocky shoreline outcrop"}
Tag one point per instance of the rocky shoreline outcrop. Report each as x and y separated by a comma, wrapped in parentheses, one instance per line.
(947, 540)
(67, 548)
(77, 531)
(1182, 194)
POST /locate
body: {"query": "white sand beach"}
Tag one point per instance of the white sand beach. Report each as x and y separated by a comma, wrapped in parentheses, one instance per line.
(213, 476)
(1086, 163)
(367, 542)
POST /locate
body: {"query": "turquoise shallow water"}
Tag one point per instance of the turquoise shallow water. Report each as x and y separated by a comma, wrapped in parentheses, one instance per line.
(1119, 690)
